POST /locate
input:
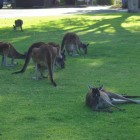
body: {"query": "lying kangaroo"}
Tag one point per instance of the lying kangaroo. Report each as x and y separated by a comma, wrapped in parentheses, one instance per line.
(18, 24)
(73, 45)
(7, 50)
(44, 56)
(100, 100)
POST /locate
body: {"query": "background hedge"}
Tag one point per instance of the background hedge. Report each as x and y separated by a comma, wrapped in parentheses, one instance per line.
(105, 2)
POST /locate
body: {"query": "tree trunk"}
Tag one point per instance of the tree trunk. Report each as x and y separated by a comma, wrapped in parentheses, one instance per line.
(45, 3)
(133, 6)
(70, 2)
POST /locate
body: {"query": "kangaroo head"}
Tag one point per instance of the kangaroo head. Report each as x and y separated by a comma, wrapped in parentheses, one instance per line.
(95, 94)
(84, 47)
(60, 55)
(60, 59)
(63, 54)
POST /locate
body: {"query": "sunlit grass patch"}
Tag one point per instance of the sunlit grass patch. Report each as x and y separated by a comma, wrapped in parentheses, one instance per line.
(35, 110)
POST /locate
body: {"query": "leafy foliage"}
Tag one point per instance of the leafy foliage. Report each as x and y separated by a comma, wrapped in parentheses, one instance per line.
(105, 2)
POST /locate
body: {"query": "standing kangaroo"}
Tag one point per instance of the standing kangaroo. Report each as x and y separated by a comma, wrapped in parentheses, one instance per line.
(7, 50)
(18, 24)
(100, 100)
(73, 45)
(44, 56)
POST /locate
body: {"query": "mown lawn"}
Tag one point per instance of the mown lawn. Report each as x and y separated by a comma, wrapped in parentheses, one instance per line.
(35, 110)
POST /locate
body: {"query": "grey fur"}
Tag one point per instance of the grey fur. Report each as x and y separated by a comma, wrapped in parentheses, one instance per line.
(73, 45)
(100, 100)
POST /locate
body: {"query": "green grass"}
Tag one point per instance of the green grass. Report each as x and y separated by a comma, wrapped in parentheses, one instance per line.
(35, 110)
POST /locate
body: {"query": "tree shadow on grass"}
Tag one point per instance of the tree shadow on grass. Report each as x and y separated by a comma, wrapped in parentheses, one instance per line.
(81, 25)
(100, 30)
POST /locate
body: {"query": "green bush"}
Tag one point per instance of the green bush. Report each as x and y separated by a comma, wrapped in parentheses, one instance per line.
(70, 2)
(105, 2)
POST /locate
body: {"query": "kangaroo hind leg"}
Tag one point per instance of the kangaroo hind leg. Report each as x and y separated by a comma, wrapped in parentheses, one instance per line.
(50, 70)
(122, 99)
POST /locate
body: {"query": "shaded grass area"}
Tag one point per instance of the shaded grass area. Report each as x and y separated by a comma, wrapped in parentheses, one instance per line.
(36, 110)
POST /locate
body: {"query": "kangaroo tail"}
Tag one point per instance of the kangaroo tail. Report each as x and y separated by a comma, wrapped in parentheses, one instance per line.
(17, 55)
(27, 60)
(28, 56)
(127, 96)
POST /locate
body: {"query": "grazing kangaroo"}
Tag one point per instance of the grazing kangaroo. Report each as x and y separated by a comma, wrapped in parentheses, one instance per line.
(7, 50)
(29, 52)
(44, 56)
(100, 100)
(73, 45)
(18, 24)
(59, 60)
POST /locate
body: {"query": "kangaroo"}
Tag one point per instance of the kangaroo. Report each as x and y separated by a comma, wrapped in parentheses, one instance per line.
(73, 45)
(44, 56)
(59, 61)
(18, 24)
(29, 52)
(100, 100)
(7, 50)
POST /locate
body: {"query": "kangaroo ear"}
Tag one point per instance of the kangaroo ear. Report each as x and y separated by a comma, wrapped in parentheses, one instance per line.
(101, 87)
(90, 87)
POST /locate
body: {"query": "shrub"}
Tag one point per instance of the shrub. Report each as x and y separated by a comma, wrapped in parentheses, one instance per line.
(105, 2)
